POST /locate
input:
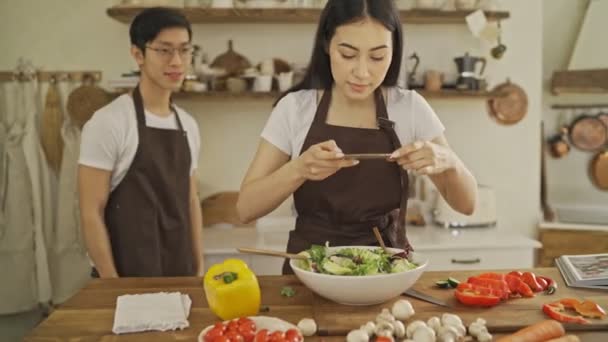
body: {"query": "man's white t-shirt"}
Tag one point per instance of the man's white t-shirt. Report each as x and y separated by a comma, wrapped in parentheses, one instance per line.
(292, 117)
(110, 138)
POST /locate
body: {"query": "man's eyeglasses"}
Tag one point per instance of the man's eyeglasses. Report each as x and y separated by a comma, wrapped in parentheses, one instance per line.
(185, 52)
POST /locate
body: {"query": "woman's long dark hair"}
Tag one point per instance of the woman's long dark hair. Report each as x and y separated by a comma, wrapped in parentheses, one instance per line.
(339, 12)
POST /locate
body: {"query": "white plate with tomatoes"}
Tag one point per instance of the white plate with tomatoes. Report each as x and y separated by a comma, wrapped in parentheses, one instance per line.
(251, 329)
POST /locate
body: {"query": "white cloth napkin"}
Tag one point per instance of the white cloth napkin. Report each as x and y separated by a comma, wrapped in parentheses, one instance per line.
(152, 311)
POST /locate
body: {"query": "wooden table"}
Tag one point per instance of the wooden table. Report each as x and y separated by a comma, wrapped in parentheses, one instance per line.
(88, 316)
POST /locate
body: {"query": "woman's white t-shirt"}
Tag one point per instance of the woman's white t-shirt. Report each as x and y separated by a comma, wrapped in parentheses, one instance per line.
(292, 117)
(110, 138)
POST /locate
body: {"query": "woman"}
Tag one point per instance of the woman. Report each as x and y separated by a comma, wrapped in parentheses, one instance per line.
(348, 102)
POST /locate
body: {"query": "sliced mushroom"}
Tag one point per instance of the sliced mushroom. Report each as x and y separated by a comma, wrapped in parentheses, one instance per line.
(369, 328)
(307, 326)
(357, 336)
(424, 334)
(399, 329)
(447, 333)
(409, 331)
(434, 323)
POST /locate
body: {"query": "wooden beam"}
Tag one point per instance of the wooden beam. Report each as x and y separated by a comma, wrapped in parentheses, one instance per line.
(580, 81)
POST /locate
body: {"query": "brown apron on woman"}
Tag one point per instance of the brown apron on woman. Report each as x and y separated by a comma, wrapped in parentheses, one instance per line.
(343, 208)
(148, 214)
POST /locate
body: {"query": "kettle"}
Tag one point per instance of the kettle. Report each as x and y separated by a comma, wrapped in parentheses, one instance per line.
(467, 77)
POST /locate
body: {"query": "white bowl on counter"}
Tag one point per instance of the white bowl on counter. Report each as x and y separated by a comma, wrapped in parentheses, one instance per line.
(361, 290)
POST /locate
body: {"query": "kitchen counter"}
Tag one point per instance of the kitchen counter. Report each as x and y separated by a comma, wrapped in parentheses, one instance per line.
(88, 315)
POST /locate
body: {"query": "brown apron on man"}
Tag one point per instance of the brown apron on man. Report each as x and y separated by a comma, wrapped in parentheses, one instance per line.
(148, 214)
(343, 208)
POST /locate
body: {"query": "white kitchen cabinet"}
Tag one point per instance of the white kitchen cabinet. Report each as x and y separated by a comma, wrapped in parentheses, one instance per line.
(480, 259)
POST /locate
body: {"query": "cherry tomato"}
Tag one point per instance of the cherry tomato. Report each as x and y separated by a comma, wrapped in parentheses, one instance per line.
(261, 336)
(212, 334)
(383, 339)
(244, 320)
(233, 325)
(221, 339)
(247, 331)
(276, 336)
(293, 335)
(234, 336)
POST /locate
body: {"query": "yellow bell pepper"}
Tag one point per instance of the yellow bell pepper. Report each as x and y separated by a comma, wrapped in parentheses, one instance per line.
(232, 290)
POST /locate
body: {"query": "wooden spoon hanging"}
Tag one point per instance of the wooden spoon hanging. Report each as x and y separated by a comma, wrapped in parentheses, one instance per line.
(50, 127)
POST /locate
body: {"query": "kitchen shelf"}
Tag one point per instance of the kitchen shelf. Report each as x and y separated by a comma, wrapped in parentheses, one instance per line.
(125, 14)
(594, 81)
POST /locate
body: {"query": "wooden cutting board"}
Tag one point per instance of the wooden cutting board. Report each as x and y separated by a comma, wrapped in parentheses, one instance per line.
(334, 319)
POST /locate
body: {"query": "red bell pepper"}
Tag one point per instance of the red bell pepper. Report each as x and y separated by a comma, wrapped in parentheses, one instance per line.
(590, 309)
(463, 287)
(530, 279)
(557, 311)
(551, 285)
(517, 286)
(492, 284)
(473, 297)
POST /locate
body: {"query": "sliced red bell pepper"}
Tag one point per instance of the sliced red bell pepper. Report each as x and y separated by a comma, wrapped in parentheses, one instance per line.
(492, 284)
(491, 275)
(517, 286)
(517, 274)
(551, 285)
(590, 309)
(542, 282)
(473, 298)
(557, 311)
(530, 279)
(479, 289)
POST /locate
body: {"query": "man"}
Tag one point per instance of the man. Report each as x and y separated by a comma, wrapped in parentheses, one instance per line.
(139, 205)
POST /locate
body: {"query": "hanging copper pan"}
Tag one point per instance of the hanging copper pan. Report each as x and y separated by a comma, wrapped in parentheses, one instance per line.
(604, 118)
(599, 170)
(588, 133)
(510, 105)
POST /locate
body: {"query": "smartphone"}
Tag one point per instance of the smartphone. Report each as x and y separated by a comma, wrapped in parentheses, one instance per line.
(362, 156)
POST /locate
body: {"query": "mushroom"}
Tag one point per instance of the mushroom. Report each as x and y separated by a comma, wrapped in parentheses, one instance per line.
(448, 333)
(384, 328)
(424, 334)
(399, 329)
(479, 330)
(434, 323)
(484, 337)
(386, 316)
(357, 335)
(409, 331)
(402, 309)
(450, 319)
(369, 328)
(307, 326)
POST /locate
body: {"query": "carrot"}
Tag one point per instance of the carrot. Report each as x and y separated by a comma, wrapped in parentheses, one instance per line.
(538, 332)
(567, 338)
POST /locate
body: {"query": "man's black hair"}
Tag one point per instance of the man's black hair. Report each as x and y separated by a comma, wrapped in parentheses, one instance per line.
(150, 22)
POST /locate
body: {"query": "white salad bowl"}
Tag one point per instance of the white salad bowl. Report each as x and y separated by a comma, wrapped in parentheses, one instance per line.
(363, 289)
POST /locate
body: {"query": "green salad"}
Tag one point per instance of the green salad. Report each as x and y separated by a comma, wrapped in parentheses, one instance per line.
(353, 261)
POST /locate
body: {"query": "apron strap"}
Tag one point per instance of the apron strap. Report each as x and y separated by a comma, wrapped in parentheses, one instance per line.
(399, 234)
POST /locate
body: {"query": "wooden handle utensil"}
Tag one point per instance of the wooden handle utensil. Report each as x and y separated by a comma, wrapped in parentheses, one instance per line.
(271, 253)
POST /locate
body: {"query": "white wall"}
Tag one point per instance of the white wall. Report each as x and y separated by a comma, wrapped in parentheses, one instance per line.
(568, 179)
(75, 34)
